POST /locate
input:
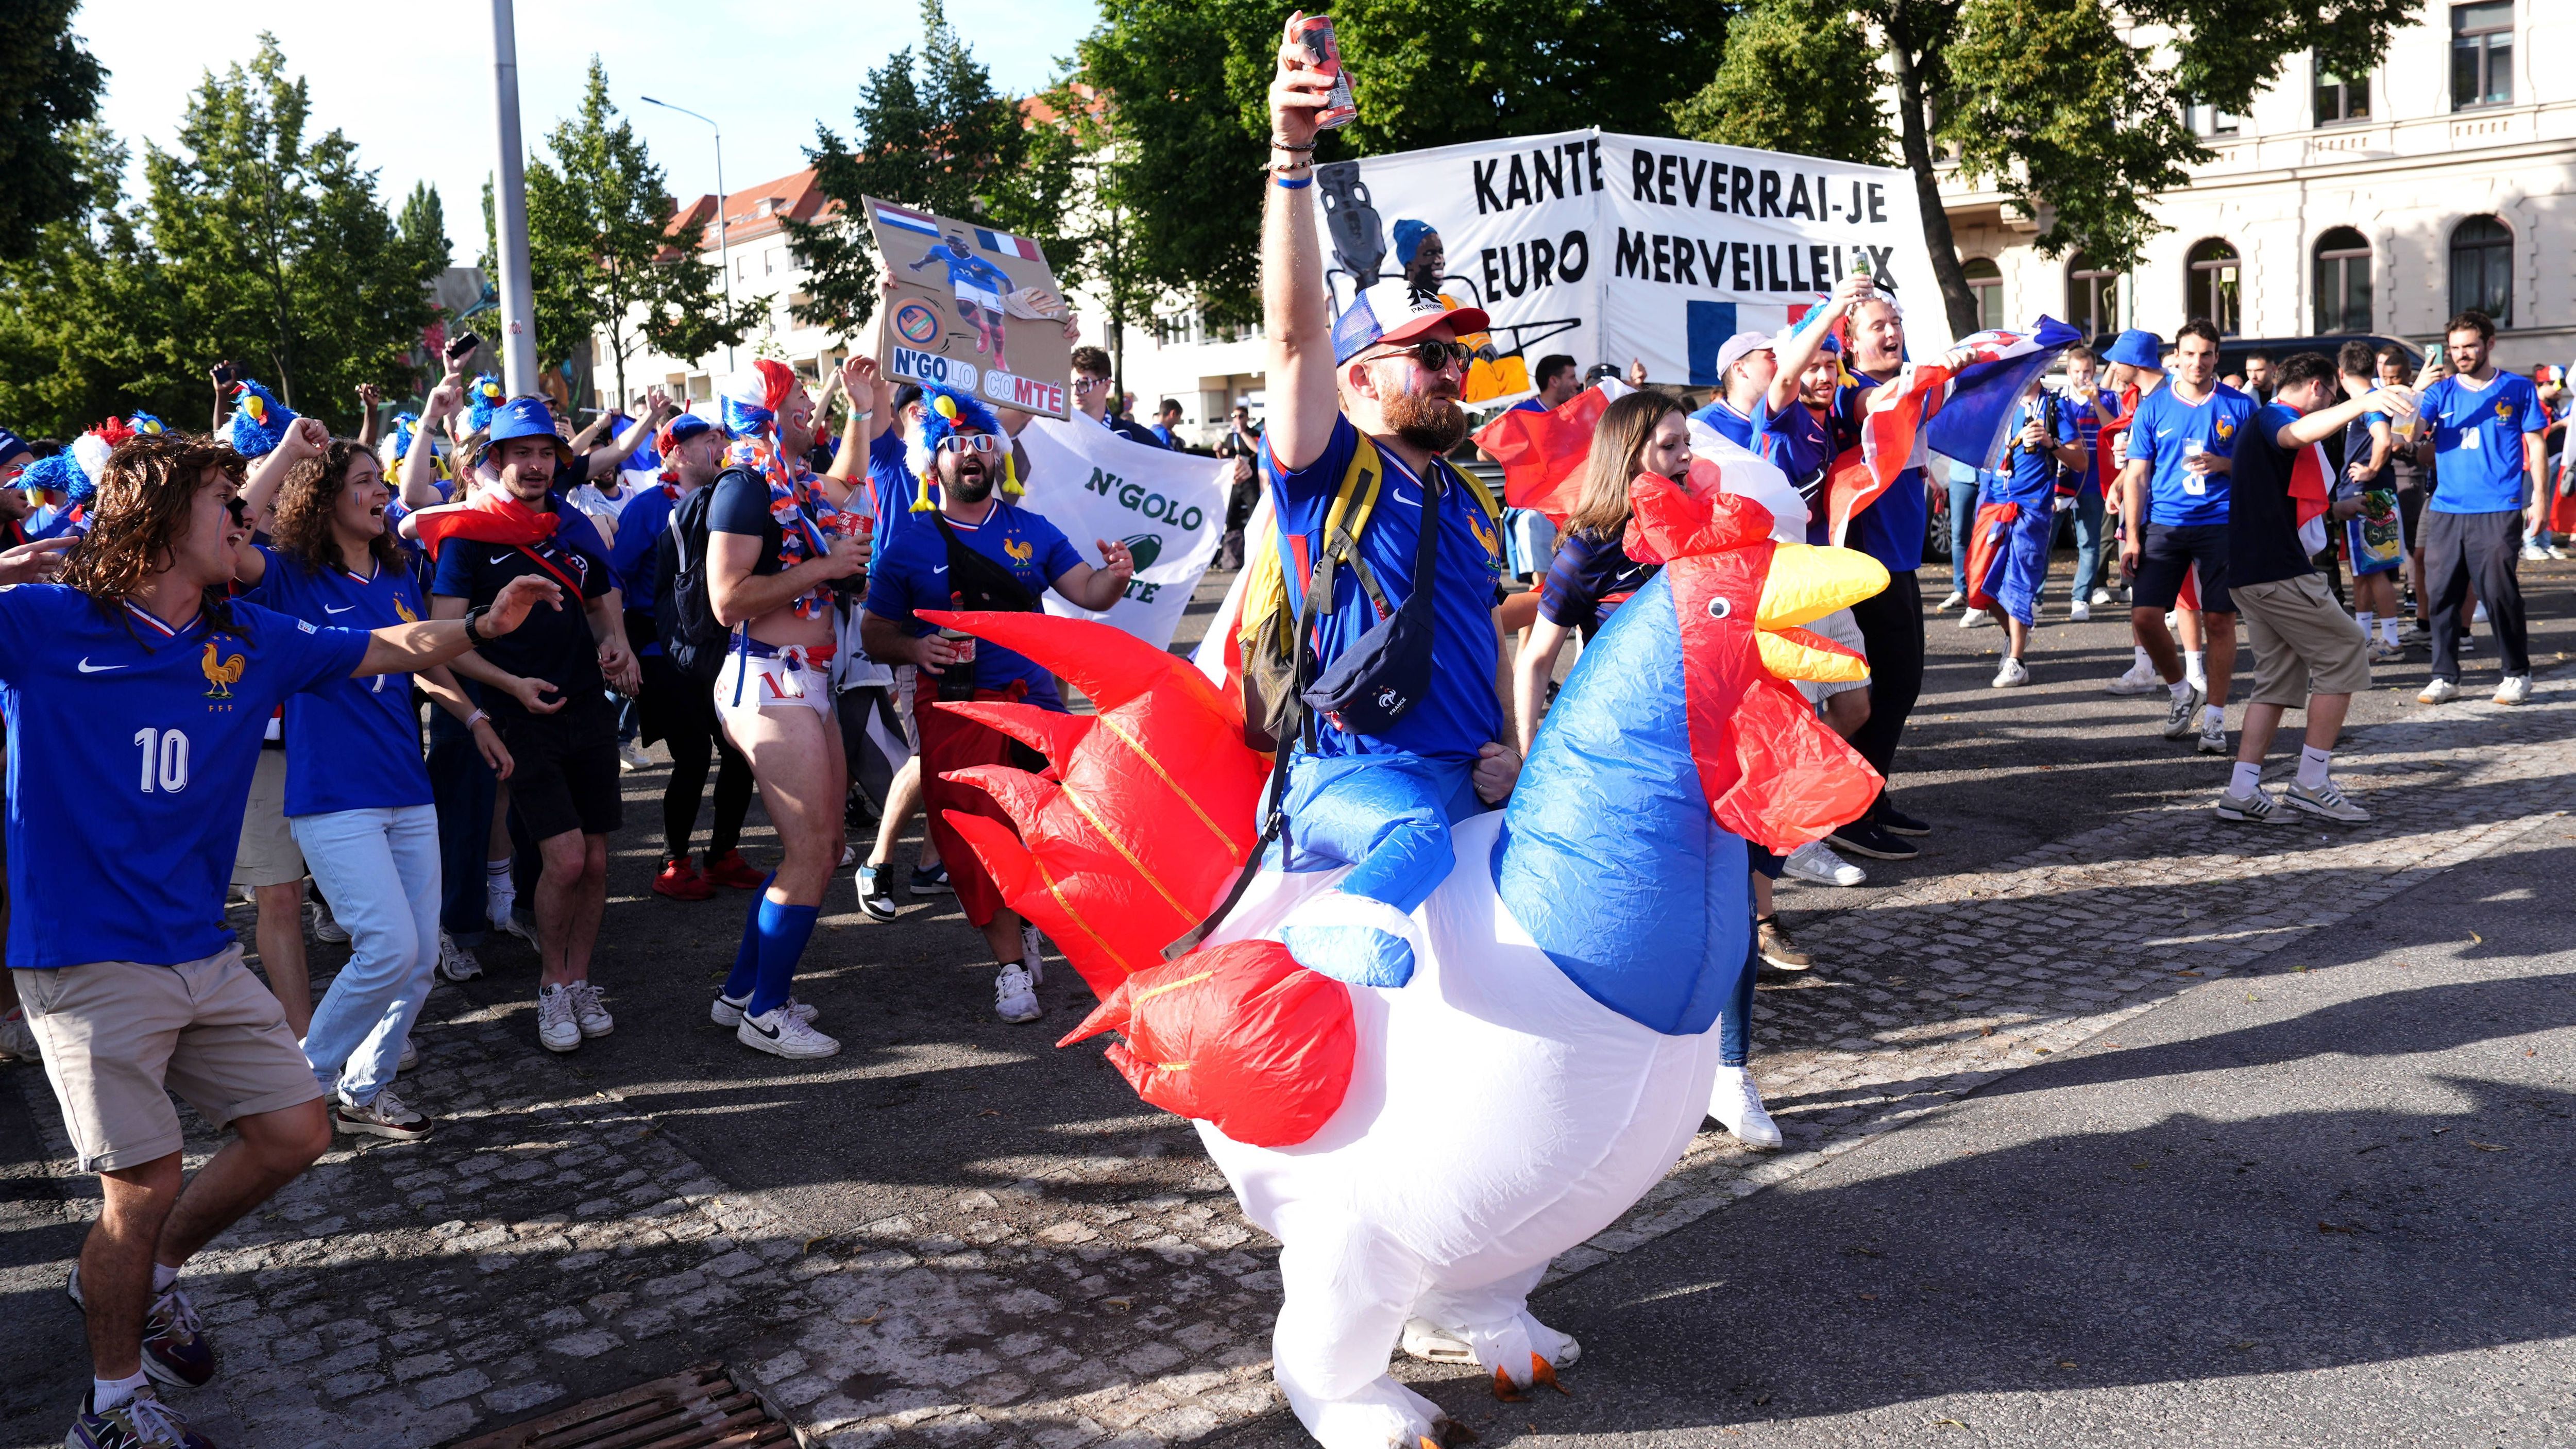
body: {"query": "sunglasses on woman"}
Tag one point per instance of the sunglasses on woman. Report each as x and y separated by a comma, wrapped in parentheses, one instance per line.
(970, 443)
(1434, 356)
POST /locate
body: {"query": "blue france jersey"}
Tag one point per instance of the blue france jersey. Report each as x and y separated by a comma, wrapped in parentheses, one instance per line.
(2477, 441)
(1461, 712)
(351, 744)
(131, 747)
(2166, 431)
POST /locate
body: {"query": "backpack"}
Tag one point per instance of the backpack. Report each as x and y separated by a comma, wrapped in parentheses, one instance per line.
(686, 620)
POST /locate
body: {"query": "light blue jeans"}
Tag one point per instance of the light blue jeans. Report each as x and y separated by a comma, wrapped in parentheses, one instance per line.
(379, 868)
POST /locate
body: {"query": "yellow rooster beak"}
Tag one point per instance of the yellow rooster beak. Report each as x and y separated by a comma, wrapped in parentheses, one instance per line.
(1805, 584)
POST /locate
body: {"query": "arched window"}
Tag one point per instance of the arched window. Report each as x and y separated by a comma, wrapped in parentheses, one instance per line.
(2343, 281)
(1986, 284)
(2212, 290)
(2092, 297)
(2482, 268)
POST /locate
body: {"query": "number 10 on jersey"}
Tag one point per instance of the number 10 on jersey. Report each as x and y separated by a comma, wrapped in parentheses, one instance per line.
(165, 759)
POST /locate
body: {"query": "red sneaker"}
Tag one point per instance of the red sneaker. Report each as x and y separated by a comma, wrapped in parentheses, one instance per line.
(682, 881)
(731, 870)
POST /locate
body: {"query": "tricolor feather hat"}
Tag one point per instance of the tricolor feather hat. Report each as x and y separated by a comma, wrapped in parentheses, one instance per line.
(943, 409)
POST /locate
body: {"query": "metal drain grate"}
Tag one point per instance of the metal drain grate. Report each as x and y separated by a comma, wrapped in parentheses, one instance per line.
(700, 1407)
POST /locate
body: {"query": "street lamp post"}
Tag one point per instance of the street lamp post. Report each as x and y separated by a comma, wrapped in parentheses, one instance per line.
(510, 200)
(724, 255)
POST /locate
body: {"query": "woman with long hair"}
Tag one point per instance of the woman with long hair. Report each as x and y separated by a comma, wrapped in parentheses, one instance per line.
(1643, 433)
(357, 792)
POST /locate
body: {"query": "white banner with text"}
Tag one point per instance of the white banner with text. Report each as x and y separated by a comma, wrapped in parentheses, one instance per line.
(1168, 508)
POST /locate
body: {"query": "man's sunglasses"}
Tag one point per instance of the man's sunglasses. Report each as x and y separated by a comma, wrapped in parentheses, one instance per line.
(240, 512)
(1086, 384)
(1434, 356)
(970, 443)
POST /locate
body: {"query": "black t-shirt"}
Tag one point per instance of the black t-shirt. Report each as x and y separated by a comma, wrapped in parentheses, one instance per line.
(2356, 449)
(554, 645)
(742, 505)
(2262, 522)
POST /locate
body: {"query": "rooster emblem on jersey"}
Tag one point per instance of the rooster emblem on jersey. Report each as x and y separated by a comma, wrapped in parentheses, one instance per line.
(1020, 552)
(221, 673)
(404, 610)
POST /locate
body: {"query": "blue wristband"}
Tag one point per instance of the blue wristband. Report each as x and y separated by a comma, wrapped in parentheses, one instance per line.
(1296, 184)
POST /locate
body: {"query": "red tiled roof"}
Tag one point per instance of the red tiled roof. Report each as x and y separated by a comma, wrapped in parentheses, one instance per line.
(752, 212)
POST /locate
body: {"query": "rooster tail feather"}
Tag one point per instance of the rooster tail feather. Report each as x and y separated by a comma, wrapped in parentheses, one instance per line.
(1109, 665)
(1049, 732)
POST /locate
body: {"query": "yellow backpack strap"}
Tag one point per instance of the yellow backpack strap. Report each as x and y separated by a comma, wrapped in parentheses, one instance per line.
(1484, 499)
(1355, 499)
(1265, 621)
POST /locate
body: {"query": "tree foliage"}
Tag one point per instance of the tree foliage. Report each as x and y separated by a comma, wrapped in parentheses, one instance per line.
(48, 85)
(1189, 83)
(252, 243)
(931, 131)
(600, 255)
(2073, 109)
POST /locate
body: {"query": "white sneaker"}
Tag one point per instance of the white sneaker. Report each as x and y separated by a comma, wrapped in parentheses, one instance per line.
(2515, 689)
(2383, 650)
(1737, 1105)
(2013, 673)
(782, 1033)
(385, 1117)
(1816, 863)
(455, 963)
(2534, 553)
(2213, 735)
(631, 756)
(327, 927)
(2325, 801)
(2141, 679)
(1977, 619)
(1033, 954)
(2439, 691)
(725, 1011)
(1955, 600)
(17, 1038)
(2079, 612)
(2181, 714)
(2171, 618)
(410, 1057)
(2100, 596)
(1014, 998)
(2480, 615)
(501, 908)
(588, 1012)
(556, 1029)
(2258, 808)
(2559, 551)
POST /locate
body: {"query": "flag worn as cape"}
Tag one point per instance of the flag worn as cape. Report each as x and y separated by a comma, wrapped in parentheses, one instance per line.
(484, 517)
(1973, 405)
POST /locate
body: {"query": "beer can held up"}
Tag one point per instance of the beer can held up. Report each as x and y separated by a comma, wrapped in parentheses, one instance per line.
(1324, 53)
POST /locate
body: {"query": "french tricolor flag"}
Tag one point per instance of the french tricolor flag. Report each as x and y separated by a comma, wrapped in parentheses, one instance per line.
(1008, 245)
(1961, 413)
(902, 220)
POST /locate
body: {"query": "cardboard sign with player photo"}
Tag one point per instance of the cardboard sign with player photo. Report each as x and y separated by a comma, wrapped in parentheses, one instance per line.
(973, 309)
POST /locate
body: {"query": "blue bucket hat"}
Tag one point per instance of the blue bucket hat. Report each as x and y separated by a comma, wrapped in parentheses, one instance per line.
(2136, 347)
(525, 417)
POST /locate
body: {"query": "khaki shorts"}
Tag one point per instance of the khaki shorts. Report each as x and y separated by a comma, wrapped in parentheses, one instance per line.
(267, 855)
(2303, 641)
(120, 1036)
(1840, 627)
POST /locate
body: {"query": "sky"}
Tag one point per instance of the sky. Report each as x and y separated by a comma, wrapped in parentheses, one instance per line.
(416, 98)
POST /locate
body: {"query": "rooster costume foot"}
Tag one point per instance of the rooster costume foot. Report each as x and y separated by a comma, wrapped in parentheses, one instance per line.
(1351, 938)
(1381, 1415)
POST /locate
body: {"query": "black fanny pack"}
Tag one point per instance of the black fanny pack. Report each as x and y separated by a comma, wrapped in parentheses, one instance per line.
(1386, 671)
(977, 583)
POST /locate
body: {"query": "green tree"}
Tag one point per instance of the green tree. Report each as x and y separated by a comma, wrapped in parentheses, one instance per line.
(48, 85)
(275, 250)
(600, 251)
(2073, 109)
(1189, 81)
(83, 313)
(931, 132)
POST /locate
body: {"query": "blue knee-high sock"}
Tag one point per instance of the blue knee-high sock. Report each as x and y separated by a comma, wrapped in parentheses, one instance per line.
(783, 930)
(746, 957)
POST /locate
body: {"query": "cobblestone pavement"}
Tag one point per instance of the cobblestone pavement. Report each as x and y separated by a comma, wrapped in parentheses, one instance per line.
(552, 1241)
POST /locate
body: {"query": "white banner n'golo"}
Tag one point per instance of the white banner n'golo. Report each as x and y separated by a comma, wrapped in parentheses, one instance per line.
(1611, 247)
(1168, 508)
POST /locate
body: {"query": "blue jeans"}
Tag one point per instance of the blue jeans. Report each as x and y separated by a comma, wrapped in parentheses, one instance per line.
(1963, 527)
(465, 791)
(1735, 1023)
(380, 869)
(2088, 543)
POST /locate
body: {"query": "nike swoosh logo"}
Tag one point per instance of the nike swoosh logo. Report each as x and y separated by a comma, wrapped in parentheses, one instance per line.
(1401, 497)
(88, 668)
(344, 608)
(943, 568)
(770, 1032)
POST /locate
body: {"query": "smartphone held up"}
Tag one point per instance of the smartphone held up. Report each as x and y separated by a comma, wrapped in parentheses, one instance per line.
(1314, 33)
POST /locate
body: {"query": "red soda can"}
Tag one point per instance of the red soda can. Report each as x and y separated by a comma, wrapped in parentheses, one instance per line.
(1323, 53)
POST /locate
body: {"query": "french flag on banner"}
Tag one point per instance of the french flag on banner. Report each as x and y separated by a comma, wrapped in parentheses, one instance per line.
(902, 220)
(1961, 413)
(1007, 244)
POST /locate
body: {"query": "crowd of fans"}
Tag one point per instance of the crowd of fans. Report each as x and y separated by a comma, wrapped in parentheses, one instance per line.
(228, 644)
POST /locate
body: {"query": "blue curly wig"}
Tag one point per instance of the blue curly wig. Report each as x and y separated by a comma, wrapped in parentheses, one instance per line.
(942, 409)
(259, 421)
(58, 472)
(482, 395)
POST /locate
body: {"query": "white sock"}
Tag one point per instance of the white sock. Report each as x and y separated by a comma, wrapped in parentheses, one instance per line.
(106, 1394)
(2213, 717)
(163, 1277)
(2365, 618)
(2181, 690)
(2247, 779)
(497, 869)
(2388, 630)
(2142, 663)
(2312, 766)
(2195, 664)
